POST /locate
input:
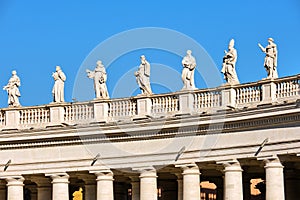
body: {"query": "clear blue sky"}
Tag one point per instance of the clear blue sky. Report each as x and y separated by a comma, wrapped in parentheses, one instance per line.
(35, 36)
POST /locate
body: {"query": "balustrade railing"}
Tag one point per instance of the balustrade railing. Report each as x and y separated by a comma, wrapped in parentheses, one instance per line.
(78, 112)
(165, 104)
(38, 115)
(287, 87)
(261, 92)
(246, 94)
(207, 99)
(122, 108)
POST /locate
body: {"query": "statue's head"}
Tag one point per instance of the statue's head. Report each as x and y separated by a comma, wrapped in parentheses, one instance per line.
(189, 52)
(99, 63)
(270, 40)
(14, 72)
(143, 58)
(58, 68)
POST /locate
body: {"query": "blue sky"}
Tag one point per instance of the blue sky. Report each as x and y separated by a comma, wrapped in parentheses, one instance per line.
(35, 36)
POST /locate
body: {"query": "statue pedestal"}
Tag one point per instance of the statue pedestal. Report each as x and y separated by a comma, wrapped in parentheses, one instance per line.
(186, 103)
(143, 108)
(228, 98)
(101, 112)
(268, 89)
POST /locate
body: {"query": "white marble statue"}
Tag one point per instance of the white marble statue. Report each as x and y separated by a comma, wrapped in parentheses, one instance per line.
(189, 65)
(99, 75)
(143, 76)
(58, 88)
(271, 58)
(12, 89)
(228, 67)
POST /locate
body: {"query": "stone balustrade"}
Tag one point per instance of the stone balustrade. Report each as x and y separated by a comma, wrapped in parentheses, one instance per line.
(210, 100)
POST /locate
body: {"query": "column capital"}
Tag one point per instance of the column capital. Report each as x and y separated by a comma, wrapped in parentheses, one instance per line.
(273, 163)
(271, 160)
(106, 175)
(231, 165)
(190, 168)
(148, 173)
(59, 178)
(15, 180)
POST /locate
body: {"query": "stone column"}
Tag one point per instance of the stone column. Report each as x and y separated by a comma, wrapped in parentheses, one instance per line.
(148, 184)
(233, 183)
(105, 188)
(2, 190)
(135, 188)
(60, 186)
(179, 187)
(43, 188)
(274, 179)
(15, 188)
(191, 182)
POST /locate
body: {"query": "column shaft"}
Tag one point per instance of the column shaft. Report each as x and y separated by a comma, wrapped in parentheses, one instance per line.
(15, 188)
(60, 186)
(105, 188)
(191, 182)
(233, 184)
(274, 180)
(148, 185)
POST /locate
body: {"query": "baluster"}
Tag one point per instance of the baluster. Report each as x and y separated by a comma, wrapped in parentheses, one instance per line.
(204, 100)
(41, 115)
(195, 101)
(128, 108)
(168, 104)
(119, 107)
(239, 95)
(27, 117)
(123, 110)
(244, 95)
(112, 109)
(157, 105)
(202, 96)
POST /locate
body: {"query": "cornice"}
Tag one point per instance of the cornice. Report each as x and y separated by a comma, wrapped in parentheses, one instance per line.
(271, 116)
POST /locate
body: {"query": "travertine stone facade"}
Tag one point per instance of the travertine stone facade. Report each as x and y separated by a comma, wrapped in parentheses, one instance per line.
(154, 147)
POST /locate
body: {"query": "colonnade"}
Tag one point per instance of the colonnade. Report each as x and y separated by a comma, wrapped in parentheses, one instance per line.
(144, 186)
